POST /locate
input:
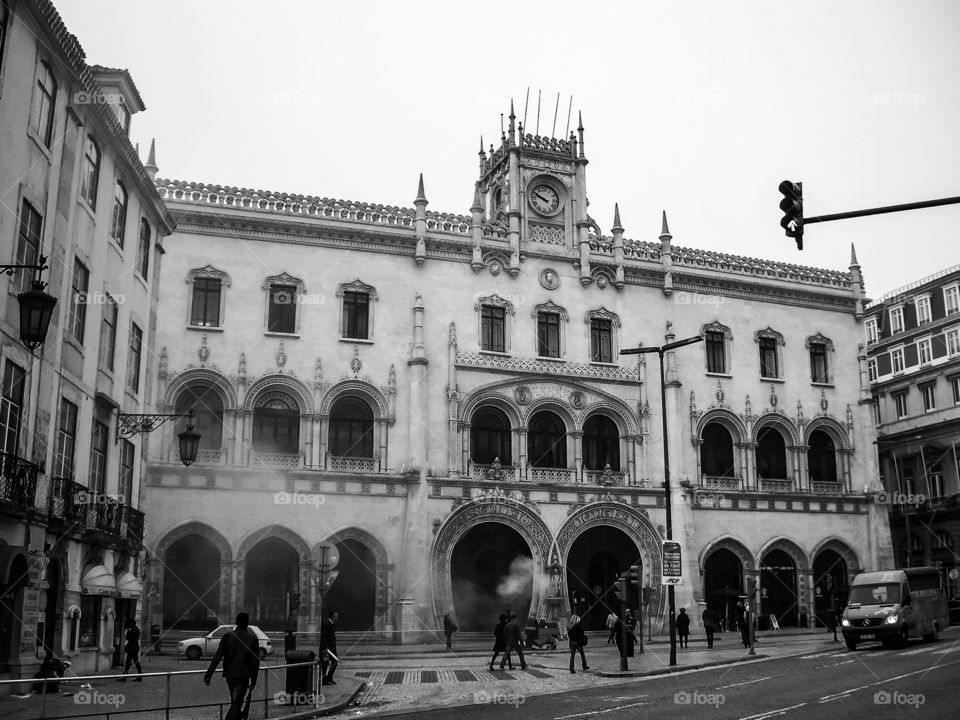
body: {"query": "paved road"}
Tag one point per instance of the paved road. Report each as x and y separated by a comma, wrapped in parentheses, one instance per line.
(830, 682)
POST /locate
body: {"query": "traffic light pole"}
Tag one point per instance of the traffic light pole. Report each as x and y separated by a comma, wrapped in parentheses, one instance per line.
(882, 210)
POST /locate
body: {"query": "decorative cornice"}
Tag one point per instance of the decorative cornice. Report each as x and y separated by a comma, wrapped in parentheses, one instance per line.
(208, 272)
(818, 339)
(284, 278)
(357, 286)
(550, 307)
(768, 332)
(718, 327)
(544, 367)
(602, 313)
(496, 301)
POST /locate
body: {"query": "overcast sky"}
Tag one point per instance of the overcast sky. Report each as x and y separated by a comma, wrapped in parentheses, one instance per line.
(698, 108)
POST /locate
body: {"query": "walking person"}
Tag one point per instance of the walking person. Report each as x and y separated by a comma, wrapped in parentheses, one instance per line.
(578, 638)
(612, 621)
(132, 650)
(239, 650)
(709, 625)
(683, 628)
(513, 639)
(743, 618)
(449, 628)
(499, 644)
(329, 659)
(832, 623)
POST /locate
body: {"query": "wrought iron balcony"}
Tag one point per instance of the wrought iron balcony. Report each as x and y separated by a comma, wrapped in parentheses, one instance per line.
(550, 476)
(18, 483)
(65, 505)
(606, 477)
(131, 526)
(353, 464)
(722, 482)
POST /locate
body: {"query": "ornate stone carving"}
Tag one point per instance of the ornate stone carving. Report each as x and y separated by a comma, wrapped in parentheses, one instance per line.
(819, 339)
(602, 313)
(549, 278)
(493, 301)
(546, 234)
(203, 352)
(523, 395)
(355, 363)
(281, 357)
(358, 286)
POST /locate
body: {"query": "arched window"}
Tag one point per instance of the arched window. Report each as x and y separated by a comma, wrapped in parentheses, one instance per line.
(119, 222)
(822, 457)
(601, 444)
(91, 172)
(490, 436)
(207, 410)
(351, 428)
(716, 452)
(547, 441)
(771, 454)
(276, 424)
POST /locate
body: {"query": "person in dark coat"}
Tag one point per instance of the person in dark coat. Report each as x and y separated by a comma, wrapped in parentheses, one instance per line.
(499, 644)
(329, 657)
(832, 623)
(683, 628)
(132, 650)
(449, 628)
(513, 638)
(577, 637)
(239, 650)
(709, 625)
(743, 618)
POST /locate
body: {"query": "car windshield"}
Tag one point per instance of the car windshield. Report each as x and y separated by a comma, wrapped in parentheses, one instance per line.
(220, 632)
(875, 594)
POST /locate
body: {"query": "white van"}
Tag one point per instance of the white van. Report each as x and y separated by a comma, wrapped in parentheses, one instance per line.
(895, 605)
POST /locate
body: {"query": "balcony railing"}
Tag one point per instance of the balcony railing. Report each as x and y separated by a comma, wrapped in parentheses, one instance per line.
(776, 486)
(604, 477)
(64, 507)
(493, 471)
(18, 482)
(342, 463)
(826, 488)
(131, 526)
(551, 476)
(722, 482)
(284, 461)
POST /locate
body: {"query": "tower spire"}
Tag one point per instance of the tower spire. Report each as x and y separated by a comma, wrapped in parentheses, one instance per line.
(664, 230)
(616, 218)
(580, 129)
(421, 195)
(853, 256)
(512, 127)
(151, 166)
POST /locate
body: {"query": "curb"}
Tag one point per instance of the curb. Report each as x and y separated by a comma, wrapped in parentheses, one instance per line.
(321, 712)
(676, 668)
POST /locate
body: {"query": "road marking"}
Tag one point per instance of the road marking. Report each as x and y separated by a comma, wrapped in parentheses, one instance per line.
(918, 651)
(772, 713)
(840, 695)
(746, 682)
(600, 712)
(625, 697)
(945, 651)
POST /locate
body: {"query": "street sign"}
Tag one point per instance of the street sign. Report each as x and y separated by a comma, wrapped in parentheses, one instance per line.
(672, 565)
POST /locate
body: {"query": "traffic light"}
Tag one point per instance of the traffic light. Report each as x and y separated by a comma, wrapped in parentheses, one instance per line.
(751, 587)
(621, 586)
(792, 206)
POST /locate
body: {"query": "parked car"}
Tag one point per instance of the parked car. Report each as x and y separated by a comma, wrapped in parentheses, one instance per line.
(198, 647)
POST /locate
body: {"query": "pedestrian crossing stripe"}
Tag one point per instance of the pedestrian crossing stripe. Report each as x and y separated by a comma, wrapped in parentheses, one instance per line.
(412, 677)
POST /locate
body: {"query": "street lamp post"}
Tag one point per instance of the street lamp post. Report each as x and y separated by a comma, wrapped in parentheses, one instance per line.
(660, 350)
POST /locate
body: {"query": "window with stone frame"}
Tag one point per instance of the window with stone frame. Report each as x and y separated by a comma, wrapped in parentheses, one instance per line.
(896, 359)
(108, 333)
(118, 223)
(125, 481)
(276, 424)
(922, 304)
(872, 369)
(143, 249)
(716, 346)
(900, 403)
(925, 350)
(769, 344)
(134, 357)
(819, 348)
(77, 321)
(490, 436)
(90, 174)
(351, 428)
(64, 453)
(356, 309)
(870, 330)
(896, 319)
(11, 407)
(207, 302)
(4, 18)
(99, 445)
(494, 320)
(604, 329)
(42, 113)
(282, 313)
(29, 238)
(955, 386)
(951, 299)
(550, 319)
(953, 341)
(928, 393)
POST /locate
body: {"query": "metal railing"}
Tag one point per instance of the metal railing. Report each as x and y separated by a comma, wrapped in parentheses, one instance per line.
(87, 697)
(18, 482)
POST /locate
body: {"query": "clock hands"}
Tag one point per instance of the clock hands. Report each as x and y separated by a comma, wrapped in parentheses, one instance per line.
(546, 200)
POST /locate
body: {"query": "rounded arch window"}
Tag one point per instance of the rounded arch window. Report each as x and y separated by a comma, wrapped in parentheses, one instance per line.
(351, 428)
(276, 424)
(771, 454)
(822, 457)
(547, 440)
(207, 407)
(601, 443)
(490, 436)
(716, 451)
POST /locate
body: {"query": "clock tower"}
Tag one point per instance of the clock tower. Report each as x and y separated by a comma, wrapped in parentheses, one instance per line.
(532, 191)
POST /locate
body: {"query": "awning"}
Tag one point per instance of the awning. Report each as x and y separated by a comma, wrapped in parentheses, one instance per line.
(97, 580)
(13, 571)
(128, 586)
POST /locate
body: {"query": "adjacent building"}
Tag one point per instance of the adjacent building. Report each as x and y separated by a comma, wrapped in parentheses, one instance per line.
(913, 346)
(74, 192)
(437, 402)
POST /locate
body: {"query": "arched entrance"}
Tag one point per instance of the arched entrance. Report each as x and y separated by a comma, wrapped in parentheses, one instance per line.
(830, 584)
(191, 584)
(51, 609)
(354, 592)
(778, 589)
(723, 583)
(491, 571)
(14, 574)
(597, 558)
(272, 569)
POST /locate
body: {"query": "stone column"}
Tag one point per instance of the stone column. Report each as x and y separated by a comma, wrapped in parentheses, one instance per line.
(577, 437)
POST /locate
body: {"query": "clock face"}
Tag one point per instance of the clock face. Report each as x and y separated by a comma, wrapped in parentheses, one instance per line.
(545, 200)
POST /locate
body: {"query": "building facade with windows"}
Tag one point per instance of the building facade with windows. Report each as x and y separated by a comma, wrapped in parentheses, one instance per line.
(74, 192)
(913, 348)
(441, 399)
